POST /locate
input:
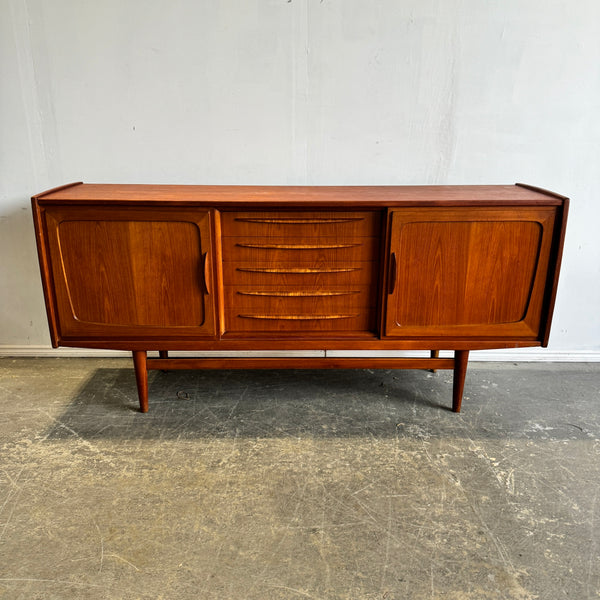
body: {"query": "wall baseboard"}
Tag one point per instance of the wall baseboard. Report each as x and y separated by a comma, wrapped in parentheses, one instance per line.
(508, 355)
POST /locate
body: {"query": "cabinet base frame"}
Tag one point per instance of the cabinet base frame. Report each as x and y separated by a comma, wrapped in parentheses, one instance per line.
(143, 364)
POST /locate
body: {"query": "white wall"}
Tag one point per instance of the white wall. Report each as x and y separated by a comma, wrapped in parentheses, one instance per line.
(301, 92)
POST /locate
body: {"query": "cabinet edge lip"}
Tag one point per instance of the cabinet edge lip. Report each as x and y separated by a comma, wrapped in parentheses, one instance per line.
(318, 205)
(540, 190)
(56, 189)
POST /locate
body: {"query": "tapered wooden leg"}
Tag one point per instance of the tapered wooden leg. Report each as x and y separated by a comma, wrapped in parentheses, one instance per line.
(461, 359)
(434, 354)
(141, 378)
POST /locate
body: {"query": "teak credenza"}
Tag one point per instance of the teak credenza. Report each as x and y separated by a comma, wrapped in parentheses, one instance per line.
(166, 267)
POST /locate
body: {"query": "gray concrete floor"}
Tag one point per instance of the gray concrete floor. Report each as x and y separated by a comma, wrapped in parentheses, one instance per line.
(298, 484)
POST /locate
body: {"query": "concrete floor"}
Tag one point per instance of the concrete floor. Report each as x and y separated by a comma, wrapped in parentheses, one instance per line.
(297, 484)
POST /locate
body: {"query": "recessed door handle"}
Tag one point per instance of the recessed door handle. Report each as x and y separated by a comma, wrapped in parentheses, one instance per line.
(205, 272)
(392, 274)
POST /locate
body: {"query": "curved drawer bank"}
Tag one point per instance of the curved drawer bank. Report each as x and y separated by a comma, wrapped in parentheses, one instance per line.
(167, 267)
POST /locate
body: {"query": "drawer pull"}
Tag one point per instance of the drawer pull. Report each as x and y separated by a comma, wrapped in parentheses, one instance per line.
(300, 294)
(296, 270)
(297, 221)
(205, 273)
(297, 317)
(393, 273)
(298, 246)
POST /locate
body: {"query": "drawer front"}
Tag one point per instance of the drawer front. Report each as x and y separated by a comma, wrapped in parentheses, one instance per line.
(302, 224)
(304, 273)
(302, 276)
(299, 325)
(299, 301)
(294, 250)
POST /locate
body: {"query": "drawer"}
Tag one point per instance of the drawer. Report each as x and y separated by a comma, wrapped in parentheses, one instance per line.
(315, 275)
(313, 224)
(282, 250)
(347, 322)
(282, 300)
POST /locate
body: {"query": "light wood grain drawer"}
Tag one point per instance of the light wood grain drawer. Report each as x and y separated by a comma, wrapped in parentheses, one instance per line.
(316, 275)
(307, 324)
(302, 224)
(286, 300)
(281, 250)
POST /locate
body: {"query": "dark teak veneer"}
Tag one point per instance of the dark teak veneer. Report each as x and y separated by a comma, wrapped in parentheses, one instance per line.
(167, 267)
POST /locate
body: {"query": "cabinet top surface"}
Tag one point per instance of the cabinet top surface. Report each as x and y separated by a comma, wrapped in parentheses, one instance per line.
(365, 196)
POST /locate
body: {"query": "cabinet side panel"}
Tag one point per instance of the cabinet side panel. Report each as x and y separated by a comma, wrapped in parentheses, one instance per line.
(45, 270)
(555, 262)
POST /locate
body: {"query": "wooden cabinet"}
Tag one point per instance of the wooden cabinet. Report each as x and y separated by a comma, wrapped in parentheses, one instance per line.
(165, 268)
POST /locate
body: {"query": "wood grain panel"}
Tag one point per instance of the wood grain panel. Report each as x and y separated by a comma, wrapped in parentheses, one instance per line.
(121, 273)
(467, 271)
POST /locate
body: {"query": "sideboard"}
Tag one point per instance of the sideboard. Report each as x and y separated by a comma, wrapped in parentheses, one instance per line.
(379, 268)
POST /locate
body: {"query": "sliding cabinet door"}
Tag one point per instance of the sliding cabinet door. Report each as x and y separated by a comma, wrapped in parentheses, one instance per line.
(468, 272)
